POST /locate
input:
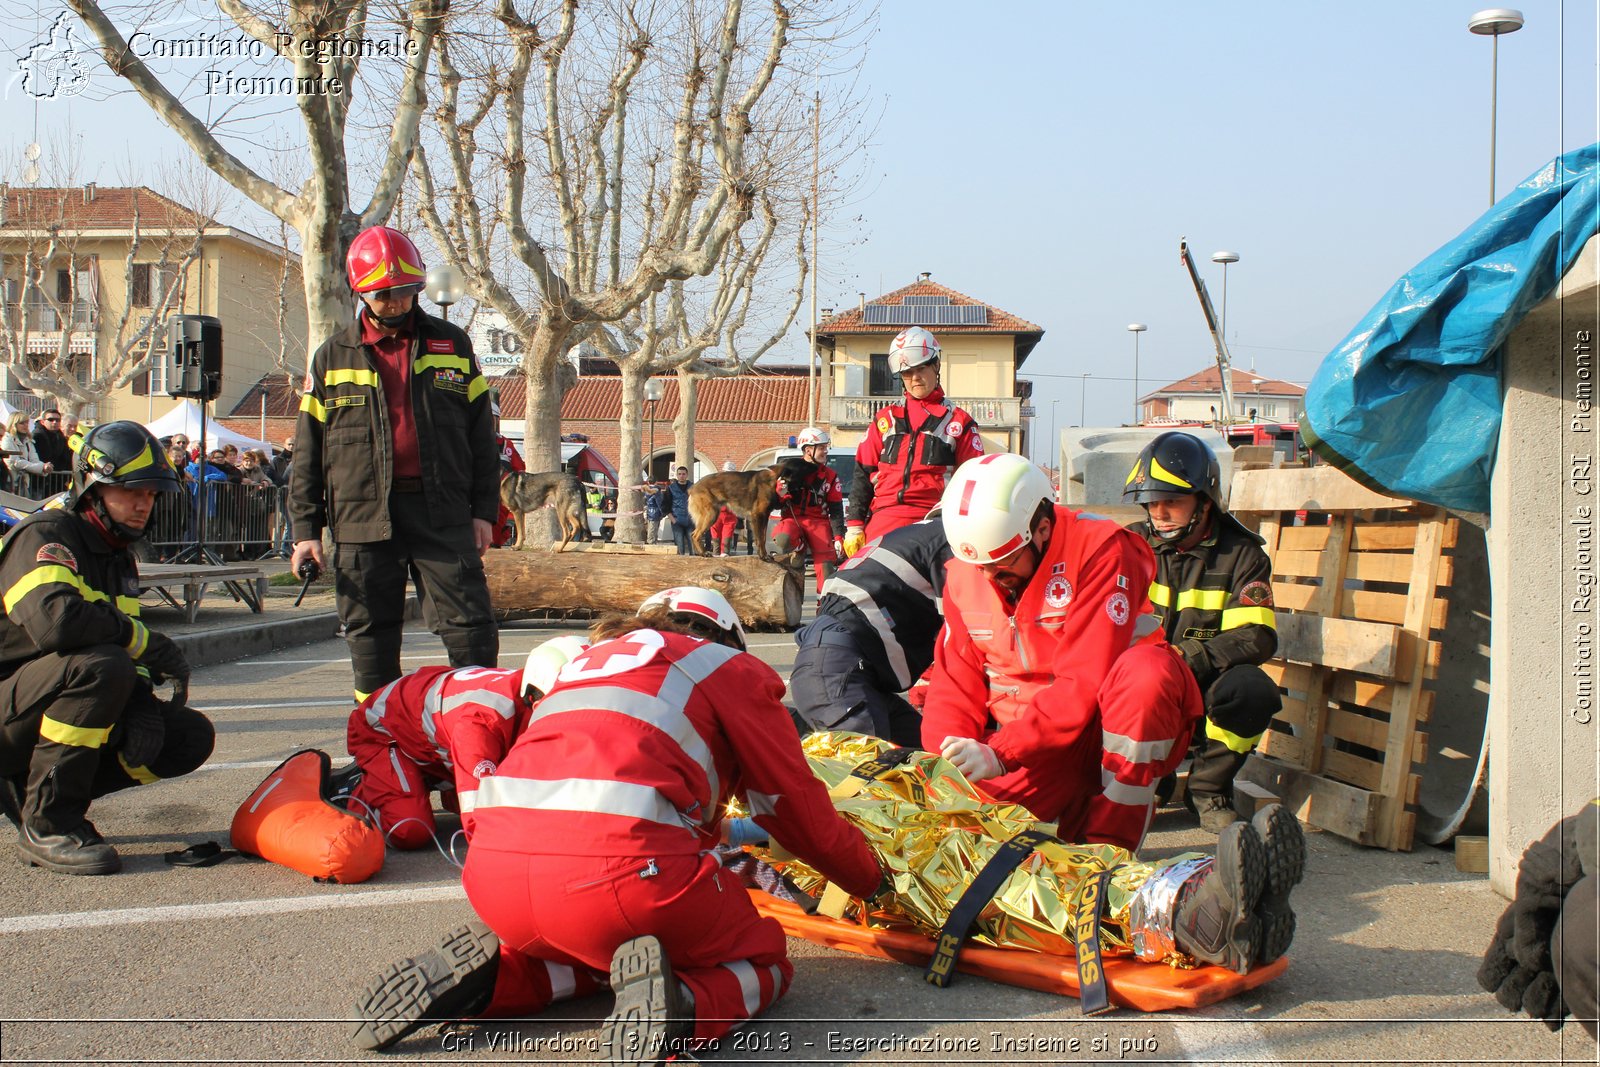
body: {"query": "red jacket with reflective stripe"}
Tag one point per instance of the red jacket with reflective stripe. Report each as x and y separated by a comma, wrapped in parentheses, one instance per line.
(456, 724)
(637, 749)
(1025, 679)
(908, 454)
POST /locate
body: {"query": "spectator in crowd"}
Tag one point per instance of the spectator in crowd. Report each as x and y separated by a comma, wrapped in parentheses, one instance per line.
(654, 499)
(69, 427)
(678, 507)
(283, 462)
(23, 462)
(253, 469)
(51, 443)
(178, 455)
(230, 463)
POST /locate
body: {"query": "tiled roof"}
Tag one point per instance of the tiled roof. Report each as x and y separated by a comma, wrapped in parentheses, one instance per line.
(283, 399)
(1210, 380)
(107, 209)
(853, 321)
(755, 398)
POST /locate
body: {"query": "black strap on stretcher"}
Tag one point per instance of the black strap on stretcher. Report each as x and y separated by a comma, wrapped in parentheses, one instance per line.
(877, 768)
(942, 968)
(1093, 997)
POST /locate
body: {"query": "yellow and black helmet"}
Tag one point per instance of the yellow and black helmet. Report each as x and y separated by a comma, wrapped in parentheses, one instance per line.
(1172, 465)
(121, 453)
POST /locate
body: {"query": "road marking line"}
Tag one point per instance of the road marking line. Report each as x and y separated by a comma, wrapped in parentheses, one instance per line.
(331, 702)
(28, 924)
(261, 764)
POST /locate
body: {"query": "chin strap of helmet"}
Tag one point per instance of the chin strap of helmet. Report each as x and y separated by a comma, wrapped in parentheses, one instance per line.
(388, 322)
(116, 534)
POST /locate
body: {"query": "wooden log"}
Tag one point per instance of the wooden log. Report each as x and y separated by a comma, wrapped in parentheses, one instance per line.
(767, 596)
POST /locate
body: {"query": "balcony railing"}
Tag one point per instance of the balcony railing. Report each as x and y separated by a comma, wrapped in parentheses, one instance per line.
(991, 412)
(81, 315)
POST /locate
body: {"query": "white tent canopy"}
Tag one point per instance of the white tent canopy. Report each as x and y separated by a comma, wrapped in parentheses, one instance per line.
(184, 418)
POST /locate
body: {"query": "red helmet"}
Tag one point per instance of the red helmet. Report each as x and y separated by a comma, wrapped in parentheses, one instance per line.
(382, 258)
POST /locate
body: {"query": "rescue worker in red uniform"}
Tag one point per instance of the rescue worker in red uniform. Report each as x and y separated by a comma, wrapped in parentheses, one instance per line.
(395, 454)
(441, 728)
(505, 529)
(724, 531)
(812, 506)
(77, 667)
(1053, 685)
(595, 838)
(1213, 594)
(910, 449)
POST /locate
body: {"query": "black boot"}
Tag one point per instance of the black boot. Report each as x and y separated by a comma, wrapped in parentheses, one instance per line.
(11, 794)
(343, 782)
(1216, 912)
(452, 980)
(78, 851)
(653, 1018)
(1285, 846)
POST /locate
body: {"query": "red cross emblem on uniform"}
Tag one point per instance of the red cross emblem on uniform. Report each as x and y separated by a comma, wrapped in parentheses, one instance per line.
(614, 657)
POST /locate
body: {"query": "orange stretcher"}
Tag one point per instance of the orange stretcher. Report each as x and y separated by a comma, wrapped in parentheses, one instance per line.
(1132, 984)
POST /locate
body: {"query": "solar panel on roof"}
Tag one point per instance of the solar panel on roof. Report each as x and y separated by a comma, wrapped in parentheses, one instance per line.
(925, 300)
(878, 314)
(926, 314)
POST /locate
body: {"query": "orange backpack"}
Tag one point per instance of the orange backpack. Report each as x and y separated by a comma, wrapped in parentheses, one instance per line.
(288, 820)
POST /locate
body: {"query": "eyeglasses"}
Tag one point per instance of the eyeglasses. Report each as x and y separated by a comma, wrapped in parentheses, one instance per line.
(50, 418)
(398, 292)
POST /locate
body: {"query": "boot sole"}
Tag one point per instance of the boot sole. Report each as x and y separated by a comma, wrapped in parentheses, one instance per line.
(647, 1019)
(1285, 845)
(442, 983)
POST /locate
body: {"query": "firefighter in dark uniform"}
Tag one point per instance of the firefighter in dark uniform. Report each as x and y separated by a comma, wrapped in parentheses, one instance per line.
(77, 667)
(395, 454)
(1213, 593)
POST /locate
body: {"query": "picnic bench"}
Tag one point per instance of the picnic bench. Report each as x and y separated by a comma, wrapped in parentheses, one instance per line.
(240, 579)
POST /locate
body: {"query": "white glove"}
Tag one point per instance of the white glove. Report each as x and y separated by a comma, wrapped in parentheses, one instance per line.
(838, 551)
(972, 758)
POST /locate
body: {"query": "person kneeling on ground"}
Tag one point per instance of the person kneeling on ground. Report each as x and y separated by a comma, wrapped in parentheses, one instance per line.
(1545, 956)
(873, 636)
(1213, 594)
(77, 667)
(1053, 684)
(440, 728)
(595, 838)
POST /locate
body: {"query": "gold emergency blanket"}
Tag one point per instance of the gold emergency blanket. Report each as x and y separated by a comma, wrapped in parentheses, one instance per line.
(931, 829)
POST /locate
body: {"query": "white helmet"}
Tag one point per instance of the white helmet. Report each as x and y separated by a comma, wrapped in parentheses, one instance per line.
(727, 465)
(912, 347)
(703, 605)
(546, 661)
(988, 507)
(812, 436)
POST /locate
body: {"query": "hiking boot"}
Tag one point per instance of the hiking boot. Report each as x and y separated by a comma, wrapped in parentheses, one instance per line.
(1215, 916)
(1216, 813)
(78, 851)
(343, 782)
(653, 1018)
(453, 979)
(1285, 845)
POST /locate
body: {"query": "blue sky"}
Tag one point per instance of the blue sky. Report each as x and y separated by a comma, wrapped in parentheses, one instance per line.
(1047, 157)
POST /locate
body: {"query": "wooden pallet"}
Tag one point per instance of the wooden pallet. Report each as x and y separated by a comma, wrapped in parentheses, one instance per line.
(1356, 576)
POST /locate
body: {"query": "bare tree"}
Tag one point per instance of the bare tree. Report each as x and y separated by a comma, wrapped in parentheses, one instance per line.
(675, 330)
(311, 37)
(581, 164)
(45, 319)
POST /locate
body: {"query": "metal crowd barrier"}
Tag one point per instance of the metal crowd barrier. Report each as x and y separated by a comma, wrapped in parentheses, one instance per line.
(243, 521)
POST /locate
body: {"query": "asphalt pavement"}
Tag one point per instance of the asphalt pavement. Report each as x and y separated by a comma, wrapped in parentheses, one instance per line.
(247, 962)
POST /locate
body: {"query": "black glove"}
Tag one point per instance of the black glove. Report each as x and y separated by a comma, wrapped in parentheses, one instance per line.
(142, 730)
(165, 662)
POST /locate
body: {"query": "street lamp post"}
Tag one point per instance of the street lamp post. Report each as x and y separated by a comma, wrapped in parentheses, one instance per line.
(1224, 258)
(445, 285)
(1050, 444)
(1136, 328)
(1083, 393)
(1493, 22)
(652, 393)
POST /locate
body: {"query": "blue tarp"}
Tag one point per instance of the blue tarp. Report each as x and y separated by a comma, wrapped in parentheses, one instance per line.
(1409, 402)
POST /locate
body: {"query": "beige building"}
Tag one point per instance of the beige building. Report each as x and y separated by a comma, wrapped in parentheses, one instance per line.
(1256, 398)
(87, 290)
(983, 349)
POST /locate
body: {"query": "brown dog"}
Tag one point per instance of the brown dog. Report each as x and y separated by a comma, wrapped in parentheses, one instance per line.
(522, 492)
(751, 495)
